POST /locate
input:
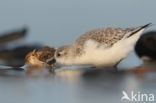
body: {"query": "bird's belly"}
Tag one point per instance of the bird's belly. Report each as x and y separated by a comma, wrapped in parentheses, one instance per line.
(108, 57)
(100, 57)
(103, 57)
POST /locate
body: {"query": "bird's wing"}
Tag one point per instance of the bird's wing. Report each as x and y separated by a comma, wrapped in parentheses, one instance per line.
(106, 37)
(133, 31)
(109, 36)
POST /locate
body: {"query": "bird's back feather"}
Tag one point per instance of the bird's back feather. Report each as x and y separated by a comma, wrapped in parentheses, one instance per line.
(109, 36)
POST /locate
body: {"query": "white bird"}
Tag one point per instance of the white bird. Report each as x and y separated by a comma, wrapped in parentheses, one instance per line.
(101, 47)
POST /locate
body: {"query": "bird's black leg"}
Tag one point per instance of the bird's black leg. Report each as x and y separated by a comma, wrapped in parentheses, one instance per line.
(115, 66)
(51, 70)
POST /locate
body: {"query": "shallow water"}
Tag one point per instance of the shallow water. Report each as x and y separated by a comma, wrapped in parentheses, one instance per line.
(72, 86)
(56, 22)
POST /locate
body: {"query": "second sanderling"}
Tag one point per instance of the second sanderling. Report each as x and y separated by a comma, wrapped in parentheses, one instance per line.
(100, 47)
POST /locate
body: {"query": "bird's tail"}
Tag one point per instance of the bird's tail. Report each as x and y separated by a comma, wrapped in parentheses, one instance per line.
(140, 28)
(147, 25)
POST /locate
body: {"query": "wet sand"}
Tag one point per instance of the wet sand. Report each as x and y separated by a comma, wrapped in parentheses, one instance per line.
(72, 86)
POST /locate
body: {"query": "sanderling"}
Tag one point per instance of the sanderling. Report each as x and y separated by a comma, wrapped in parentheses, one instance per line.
(38, 59)
(100, 48)
(41, 58)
